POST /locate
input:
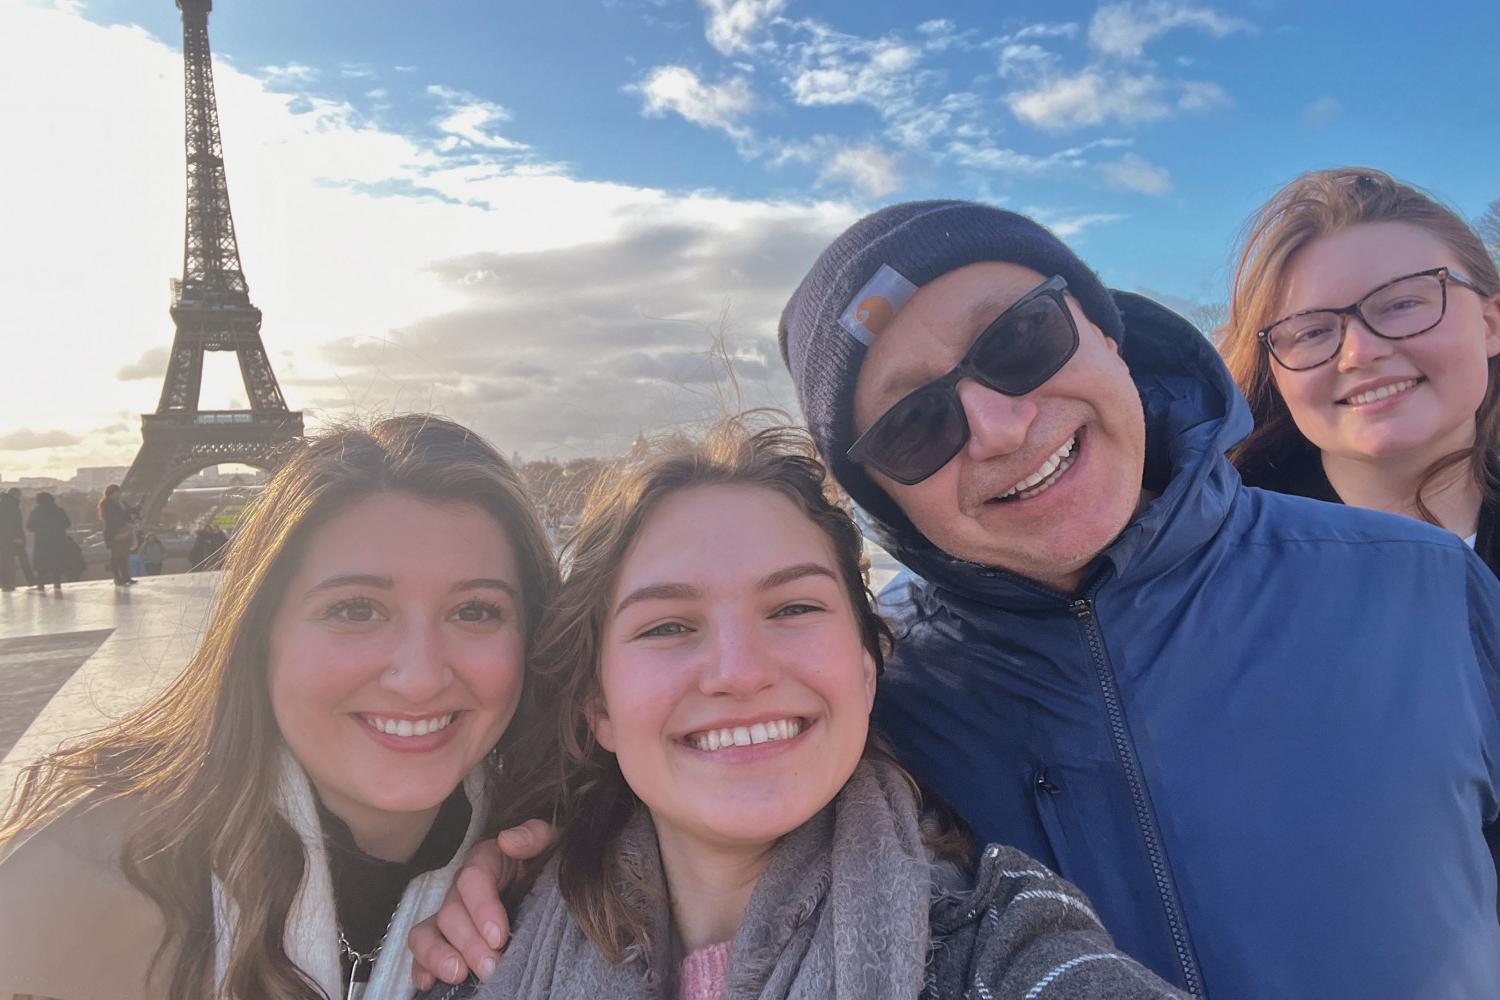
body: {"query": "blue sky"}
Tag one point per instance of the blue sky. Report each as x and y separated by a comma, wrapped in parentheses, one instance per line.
(521, 206)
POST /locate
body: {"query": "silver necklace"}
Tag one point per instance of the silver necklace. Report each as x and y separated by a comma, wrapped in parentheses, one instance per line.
(358, 958)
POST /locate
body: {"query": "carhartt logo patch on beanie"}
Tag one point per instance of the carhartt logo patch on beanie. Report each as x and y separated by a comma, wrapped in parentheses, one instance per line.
(859, 284)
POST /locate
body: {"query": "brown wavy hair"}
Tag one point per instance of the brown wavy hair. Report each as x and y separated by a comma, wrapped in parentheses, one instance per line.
(201, 757)
(1312, 206)
(591, 799)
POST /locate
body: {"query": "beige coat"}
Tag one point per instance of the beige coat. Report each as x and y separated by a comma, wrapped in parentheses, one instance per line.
(71, 926)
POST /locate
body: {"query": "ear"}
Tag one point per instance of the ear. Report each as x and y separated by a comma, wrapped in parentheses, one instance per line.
(604, 730)
(870, 676)
(1489, 311)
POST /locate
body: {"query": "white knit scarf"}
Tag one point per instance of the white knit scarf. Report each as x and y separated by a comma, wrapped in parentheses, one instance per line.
(312, 930)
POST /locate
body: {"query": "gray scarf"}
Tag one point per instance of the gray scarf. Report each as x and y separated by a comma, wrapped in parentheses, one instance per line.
(841, 912)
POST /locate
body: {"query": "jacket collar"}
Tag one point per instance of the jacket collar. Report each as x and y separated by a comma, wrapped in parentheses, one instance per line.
(1194, 413)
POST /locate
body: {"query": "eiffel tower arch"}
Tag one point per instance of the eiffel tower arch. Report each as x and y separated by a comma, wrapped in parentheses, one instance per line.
(211, 310)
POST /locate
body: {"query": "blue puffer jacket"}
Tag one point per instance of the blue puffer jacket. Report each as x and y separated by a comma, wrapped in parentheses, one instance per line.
(1262, 736)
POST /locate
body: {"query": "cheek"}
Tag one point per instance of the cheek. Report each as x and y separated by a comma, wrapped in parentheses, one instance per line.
(931, 504)
(639, 696)
(310, 676)
(1299, 390)
(494, 671)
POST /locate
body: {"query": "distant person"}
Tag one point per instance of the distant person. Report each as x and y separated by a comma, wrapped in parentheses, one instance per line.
(306, 787)
(207, 542)
(12, 542)
(153, 553)
(1364, 329)
(27, 570)
(114, 519)
(51, 548)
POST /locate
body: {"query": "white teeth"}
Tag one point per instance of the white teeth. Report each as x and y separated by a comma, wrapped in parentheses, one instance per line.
(744, 736)
(1054, 461)
(1360, 399)
(405, 727)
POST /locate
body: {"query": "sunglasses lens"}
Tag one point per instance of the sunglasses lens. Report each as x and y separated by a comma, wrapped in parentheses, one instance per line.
(1026, 346)
(917, 436)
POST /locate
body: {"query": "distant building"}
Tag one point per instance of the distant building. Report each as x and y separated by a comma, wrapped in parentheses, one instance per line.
(95, 478)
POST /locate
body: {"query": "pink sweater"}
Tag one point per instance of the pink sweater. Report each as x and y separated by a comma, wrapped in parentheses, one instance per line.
(704, 973)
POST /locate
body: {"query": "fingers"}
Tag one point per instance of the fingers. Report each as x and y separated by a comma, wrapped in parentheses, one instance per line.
(449, 945)
(526, 841)
(456, 923)
(482, 909)
(432, 957)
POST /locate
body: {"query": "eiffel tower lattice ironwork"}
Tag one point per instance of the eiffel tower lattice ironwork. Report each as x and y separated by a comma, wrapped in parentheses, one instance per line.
(212, 312)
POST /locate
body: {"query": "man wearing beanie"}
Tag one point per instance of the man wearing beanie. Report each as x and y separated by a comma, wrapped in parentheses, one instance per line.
(1260, 732)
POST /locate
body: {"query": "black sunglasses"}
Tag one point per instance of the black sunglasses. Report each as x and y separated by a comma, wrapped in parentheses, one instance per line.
(1021, 348)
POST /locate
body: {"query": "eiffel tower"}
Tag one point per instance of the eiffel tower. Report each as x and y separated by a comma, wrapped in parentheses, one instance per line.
(212, 311)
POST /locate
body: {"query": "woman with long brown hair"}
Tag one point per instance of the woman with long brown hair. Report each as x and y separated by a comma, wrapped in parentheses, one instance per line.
(728, 824)
(1364, 329)
(304, 790)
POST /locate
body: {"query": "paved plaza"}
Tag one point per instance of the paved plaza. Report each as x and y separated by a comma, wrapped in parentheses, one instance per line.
(71, 662)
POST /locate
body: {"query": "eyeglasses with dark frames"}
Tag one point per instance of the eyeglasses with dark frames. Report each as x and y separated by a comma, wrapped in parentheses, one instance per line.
(1401, 308)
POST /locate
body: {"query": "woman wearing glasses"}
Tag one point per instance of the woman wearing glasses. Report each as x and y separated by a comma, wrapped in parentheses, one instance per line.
(1364, 329)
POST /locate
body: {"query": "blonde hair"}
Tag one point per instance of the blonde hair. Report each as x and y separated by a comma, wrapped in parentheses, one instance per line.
(201, 757)
(1312, 206)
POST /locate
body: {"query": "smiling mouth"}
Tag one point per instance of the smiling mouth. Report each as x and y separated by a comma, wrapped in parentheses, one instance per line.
(1044, 478)
(408, 727)
(1383, 392)
(744, 736)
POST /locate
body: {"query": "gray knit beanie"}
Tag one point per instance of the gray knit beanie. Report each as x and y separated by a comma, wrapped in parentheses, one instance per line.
(869, 272)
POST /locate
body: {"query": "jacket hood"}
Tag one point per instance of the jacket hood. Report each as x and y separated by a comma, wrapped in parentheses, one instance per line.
(1194, 414)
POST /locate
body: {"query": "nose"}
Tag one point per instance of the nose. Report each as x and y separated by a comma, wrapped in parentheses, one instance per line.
(998, 423)
(1360, 347)
(418, 670)
(738, 660)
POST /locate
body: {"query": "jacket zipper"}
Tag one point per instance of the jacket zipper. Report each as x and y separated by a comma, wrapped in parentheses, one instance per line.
(1083, 610)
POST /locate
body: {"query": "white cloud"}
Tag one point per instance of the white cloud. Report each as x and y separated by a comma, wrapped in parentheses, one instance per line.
(841, 70)
(25, 439)
(1201, 95)
(937, 26)
(992, 158)
(733, 24)
(868, 169)
(1026, 59)
(1132, 172)
(1096, 96)
(865, 167)
(1321, 112)
(1066, 29)
(354, 239)
(469, 121)
(713, 105)
(1124, 29)
(1068, 226)
(290, 74)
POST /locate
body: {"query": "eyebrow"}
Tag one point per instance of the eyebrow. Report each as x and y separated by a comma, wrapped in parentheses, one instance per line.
(797, 572)
(386, 583)
(984, 312)
(977, 317)
(686, 591)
